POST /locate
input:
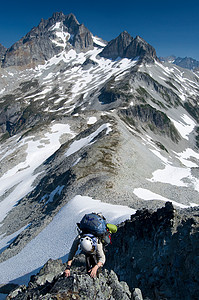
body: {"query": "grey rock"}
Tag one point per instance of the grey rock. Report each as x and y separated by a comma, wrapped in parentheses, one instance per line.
(165, 248)
(41, 43)
(78, 286)
(137, 294)
(52, 269)
(140, 48)
(117, 47)
(2, 51)
(125, 46)
(154, 119)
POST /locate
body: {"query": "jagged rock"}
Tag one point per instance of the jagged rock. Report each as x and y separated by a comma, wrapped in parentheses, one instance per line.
(125, 46)
(137, 294)
(158, 253)
(2, 51)
(116, 48)
(42, 43)
(140, 48)
(83, 39)
(51, 269)
(49, 284)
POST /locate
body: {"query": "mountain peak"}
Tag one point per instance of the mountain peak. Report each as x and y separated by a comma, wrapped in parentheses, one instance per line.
(44, 41)
(57, 15)
(116, 47)
(125, 46)
(72, 17)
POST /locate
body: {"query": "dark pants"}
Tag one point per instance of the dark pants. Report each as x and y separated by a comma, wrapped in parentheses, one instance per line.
(91, 261)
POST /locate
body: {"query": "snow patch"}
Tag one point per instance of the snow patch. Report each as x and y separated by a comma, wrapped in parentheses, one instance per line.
(185, 127)
(77, 145)
(147, 195)
(92, 120)
(21, 177)
(172, 175)
(56, 239)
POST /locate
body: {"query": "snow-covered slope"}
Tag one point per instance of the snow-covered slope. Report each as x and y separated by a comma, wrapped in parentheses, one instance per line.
(80, 127)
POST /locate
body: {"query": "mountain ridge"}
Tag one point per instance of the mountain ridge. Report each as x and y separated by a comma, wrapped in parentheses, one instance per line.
(185, 62)
(45, 41)
(81, 132)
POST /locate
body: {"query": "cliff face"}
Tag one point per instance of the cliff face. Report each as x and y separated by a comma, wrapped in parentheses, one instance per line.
(158, 252)
(126, 46)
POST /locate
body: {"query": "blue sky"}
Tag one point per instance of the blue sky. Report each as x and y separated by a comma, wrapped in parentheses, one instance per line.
(171, 27)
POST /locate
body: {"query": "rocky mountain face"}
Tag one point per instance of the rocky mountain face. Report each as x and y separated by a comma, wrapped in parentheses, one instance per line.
(93, 120)
(126, 46)
(159, 253)
(48, 39)
(2, 51)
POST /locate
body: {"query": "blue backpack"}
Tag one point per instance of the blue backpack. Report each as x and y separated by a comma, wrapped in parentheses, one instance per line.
(94, 224)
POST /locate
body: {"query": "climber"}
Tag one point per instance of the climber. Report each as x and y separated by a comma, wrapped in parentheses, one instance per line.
(94, 236)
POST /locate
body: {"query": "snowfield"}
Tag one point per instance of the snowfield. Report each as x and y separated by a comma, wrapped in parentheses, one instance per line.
(55, 240)
(21, 177)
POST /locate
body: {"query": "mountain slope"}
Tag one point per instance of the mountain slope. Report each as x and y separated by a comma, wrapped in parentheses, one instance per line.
(121, 128)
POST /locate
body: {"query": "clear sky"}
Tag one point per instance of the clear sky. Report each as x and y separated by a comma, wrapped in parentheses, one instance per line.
(171, 26)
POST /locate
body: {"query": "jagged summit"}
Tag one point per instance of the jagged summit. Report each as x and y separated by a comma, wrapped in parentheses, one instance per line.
(62, 33)
(116, 48)
(126, 46)
(49, 38)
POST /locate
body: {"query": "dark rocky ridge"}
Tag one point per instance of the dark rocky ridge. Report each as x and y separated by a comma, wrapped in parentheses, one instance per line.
(126, 46)
(158, 253)
(37, 46)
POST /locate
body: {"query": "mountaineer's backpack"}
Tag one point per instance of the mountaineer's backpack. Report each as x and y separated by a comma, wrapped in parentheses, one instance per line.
(93, 223)
(96, 224)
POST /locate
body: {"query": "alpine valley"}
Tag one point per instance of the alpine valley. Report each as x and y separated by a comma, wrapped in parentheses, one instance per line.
(90, 125)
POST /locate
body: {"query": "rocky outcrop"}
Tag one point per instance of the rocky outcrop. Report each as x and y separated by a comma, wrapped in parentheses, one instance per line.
(126, 46)
(158, 253)
(43, 42)
(50, 284)
(2, 51)
(151, 118)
